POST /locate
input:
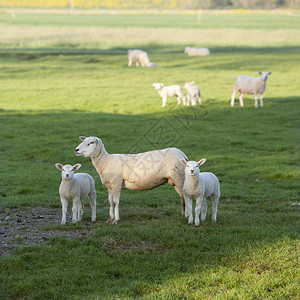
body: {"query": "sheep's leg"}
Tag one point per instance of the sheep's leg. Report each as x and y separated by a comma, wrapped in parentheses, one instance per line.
(75, 210)
(80, 211)
(199, 201)
(232, 98)
(261, 100)
(215, 201)
(164, 101)
(111, 206)
(64, 204)
(189, 209)
(194, 101)
(255, 100)
(178, 100)
(188, 100)
(203, 209)
(93, 205)
(116, 199)
(137, 63)
(183, 210)
(241, 100)
(129, 63)
(200, 101)
(183, 100)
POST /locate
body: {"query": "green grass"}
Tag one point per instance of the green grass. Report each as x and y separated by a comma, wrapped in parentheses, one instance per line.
(52, 92)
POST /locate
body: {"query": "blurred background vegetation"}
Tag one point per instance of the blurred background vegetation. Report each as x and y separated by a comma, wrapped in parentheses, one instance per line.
(152, 4)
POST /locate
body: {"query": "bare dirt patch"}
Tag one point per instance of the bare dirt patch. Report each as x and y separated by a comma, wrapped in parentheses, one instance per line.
(35, 226)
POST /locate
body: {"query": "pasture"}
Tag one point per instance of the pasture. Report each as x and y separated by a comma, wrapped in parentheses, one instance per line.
(63, 76)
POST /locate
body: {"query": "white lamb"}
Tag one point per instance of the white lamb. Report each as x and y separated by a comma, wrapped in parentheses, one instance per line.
(199, 186)
(75, 187)
(139, 57)
(193, 51)
(250, 85)
(192, 93)
(142, 171)
(169, 91)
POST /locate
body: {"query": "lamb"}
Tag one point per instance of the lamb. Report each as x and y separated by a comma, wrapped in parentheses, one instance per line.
(200, 185)
(75, 187)
(193, 92)
(250, 85)
(169, 91)
(139, 57)
(192, 51)
(142, 171)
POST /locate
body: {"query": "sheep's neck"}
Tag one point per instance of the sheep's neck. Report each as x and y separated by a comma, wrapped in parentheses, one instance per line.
(98, 160)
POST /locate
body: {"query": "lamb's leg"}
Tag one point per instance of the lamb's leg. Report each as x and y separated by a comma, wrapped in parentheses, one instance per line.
(194, 101)
(129, 62)
(75, 209)
(255, 100)
(111, 206)
(92, 197)
(188, 100)
(261, 100)
(232, 98)
(189, 210)
(200, 101)
(241, 100)
(215, 201)
(183, 210)
(116, 199)
(178, 100)
(80, 211)
(64, 204)
(137, 64)
(203, 209)
(164, 101)
(199, 201)
(183, 100)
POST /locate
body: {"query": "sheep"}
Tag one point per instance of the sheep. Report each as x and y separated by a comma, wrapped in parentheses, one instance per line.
(250, 85)
(200, 185)
(192, 93)
(75, 187)
(192, 51)
(169, 91)
(142, 171)
(139, 57)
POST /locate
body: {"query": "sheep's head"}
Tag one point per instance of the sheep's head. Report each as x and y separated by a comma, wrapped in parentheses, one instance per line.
(192, 167)
(158, 86)
(67, 171)
(187, 49)
(188, 83)
(89, 146)
(265, 75)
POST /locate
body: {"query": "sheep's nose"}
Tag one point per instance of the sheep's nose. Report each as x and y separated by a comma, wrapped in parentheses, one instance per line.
(192, 171)
(76, 150)
(67, 175)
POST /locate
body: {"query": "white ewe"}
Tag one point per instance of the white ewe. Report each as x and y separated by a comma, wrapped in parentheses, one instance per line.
(192, 93)
(142, 171)
(75, 187)
(250, 85)
(169, 91)
(139, 57)
(193, 51)
(199, 186)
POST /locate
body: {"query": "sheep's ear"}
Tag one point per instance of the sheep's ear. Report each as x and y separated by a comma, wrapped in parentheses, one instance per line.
(59, 166)
(82, 138)
(98, 141)
(201, 161)
(76, 167)
(183, 161)
(192, 82)
(270, 73)
(259, 72)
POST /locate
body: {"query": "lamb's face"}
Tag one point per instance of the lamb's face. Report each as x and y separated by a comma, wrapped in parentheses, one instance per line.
(158, 86)
(192, 168)
(67, 171)
(88, 146)
(188, 84)
(265, 75)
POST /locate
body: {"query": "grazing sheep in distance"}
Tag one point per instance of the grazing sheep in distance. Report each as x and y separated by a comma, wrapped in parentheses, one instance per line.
(75, 187)
(193, 51)
(169, 91)
(250, 85)
(193, 92)
(199, 186)
(139, 57)
(139, 172)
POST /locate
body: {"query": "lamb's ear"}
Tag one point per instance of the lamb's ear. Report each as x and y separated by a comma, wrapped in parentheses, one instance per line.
(99, 141)
(183, 161)
(59, 166)
(201, 161)
(82, 138)
(76, 167)
(270, 73)
(259, 72)
(192, 82)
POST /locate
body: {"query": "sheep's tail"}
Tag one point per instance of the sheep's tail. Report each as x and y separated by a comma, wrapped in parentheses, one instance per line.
(233, 76)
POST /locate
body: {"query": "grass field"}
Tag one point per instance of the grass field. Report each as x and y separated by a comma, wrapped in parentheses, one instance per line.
(65, 76)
